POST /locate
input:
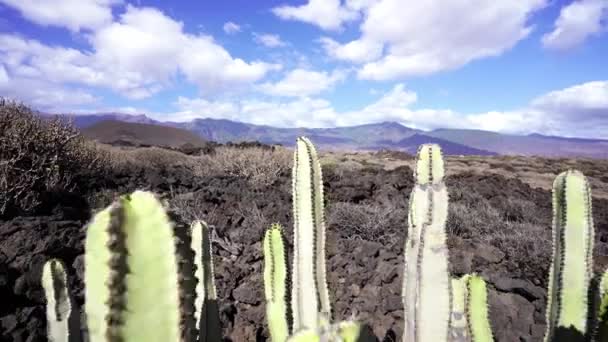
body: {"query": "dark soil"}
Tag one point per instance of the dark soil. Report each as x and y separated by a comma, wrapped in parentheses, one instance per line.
(365, 278)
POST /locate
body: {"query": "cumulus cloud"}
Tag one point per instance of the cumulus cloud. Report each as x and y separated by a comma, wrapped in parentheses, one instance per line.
(74, 15)
(326, 14)
(580, 110)
(46, 96)
(231, 28)
(302, 83)
(422, 38)
(268, 40)
(136, 56)
(576, 22)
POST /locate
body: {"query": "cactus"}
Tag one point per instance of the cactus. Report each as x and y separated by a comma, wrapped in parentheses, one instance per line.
(309, 297)
(469, 310)
(310, 307)
(275, 283)
(131, 273)
(61, 312)
(602, 313)
(209, 323)
(572, 266)
(136, 279)
(426, 284)
(346, 331)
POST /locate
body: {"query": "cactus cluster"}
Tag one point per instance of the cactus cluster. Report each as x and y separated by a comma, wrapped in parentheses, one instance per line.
(309, 309)
(143, 283)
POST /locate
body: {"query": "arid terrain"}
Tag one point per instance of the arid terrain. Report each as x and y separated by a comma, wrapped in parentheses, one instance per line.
(499, 225)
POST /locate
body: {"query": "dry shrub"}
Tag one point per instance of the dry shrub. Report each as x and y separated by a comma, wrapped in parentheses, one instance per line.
(378, 222)
(260, 166)
(126, 160)
(192, 206)
(39, 157)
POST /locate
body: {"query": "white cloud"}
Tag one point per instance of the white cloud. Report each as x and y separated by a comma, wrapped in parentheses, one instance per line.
(431, 36)
(75, 15)
(268, 40)
(580, 110)
(302, 83)
(358, 51)
(231, 28)
(3, 75)
(46, 96)
(576, 22)
(326, 14)
(297, 113)
(137, 56)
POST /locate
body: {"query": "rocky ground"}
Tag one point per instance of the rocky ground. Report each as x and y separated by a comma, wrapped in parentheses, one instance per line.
(499, 227)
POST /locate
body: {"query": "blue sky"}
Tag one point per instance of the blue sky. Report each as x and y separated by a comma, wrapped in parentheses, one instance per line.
(510, 66)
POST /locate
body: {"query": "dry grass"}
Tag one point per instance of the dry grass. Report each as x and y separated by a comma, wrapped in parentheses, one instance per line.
(536, 171)
(261, 167)
(377, 222)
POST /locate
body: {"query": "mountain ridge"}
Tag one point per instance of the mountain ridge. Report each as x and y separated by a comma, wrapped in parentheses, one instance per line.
(373, 136)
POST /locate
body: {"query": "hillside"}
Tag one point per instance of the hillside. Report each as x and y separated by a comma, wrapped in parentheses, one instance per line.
(129, 133)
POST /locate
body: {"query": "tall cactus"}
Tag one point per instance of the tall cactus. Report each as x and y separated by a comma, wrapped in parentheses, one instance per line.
(426, 288)
(310, 295)
(61, 311)
(572, 266)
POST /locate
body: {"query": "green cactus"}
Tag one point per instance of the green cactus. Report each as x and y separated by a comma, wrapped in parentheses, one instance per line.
(136, 279)
(469, 310)
(426, 284)
(345, 331)
(209, 323)
(572, 266)
(310, 307)
(275, 283)
(61, 311)
(131, 273)
(602, 314)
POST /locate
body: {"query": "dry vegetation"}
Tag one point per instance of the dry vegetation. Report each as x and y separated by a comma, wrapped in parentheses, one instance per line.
(538, 172)
(39, 158)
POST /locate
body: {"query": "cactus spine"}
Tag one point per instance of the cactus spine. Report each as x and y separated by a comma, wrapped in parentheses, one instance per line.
(426, 288)
(62, 315)
(309, 298)
(571, 269)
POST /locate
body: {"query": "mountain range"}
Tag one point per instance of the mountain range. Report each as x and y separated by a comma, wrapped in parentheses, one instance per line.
(376, 136)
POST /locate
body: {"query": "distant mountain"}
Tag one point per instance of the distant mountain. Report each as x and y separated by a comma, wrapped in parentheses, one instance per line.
(131, 133)
(533, 144)
(411, 144)
(388, 135)
(86, 120)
